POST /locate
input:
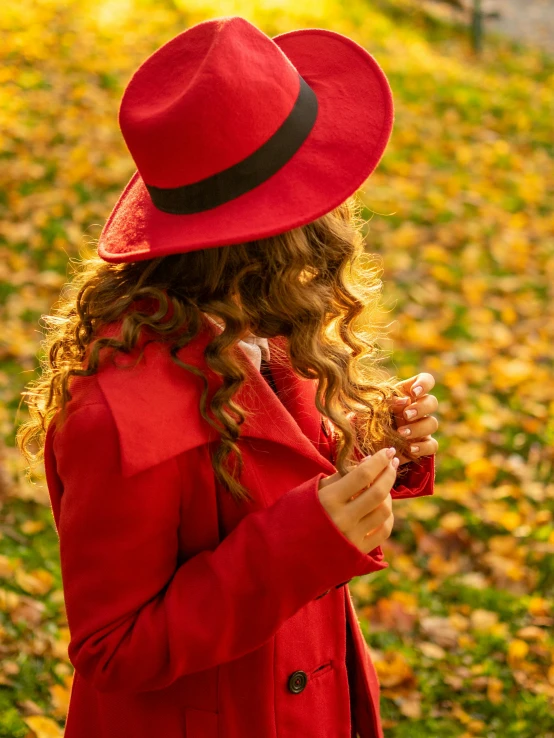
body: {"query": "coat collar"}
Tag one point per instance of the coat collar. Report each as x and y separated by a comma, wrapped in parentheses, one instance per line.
(155, 404)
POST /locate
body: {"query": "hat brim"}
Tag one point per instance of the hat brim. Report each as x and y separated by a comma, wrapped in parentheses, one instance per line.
(354, 123)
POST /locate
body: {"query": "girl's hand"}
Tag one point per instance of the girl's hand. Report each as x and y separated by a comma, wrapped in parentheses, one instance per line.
(418, 427)
(360, 503)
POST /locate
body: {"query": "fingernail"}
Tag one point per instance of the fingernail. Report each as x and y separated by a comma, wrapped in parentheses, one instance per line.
(391, 451)
(402, 400)
(410, 413)
(414, 449)
(405, 431)
(417, 390)
(395, 462)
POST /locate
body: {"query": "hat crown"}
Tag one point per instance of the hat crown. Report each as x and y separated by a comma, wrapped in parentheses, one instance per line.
(205, 101)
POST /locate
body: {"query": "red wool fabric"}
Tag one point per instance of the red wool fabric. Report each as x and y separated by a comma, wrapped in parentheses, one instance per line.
(189, 613)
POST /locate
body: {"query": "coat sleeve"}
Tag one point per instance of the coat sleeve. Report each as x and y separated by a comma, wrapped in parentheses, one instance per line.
(138, 620)
(419, 480)
(416, 480)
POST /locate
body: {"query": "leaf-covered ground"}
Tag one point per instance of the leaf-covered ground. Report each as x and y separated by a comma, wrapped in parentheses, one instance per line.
(461, 212)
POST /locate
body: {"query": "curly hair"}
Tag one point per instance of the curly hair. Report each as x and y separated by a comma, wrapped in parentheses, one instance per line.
(295, 284)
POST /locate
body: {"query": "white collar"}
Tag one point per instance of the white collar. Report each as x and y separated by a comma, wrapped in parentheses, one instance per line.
(254, 346)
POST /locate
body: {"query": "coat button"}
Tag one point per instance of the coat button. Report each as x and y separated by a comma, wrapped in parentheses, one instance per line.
(298, 681)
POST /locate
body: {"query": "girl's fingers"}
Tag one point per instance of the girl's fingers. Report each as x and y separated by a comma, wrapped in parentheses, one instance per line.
(427, 404)
(370, 499)
(365, 474)
(424, 380)
(378, 536)
(376, 517)
(399, 402)
(424, 427)
(358, 477)
(333, 478)
(425, 446)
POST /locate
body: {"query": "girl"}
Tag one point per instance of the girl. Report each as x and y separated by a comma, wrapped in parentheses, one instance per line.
(205, 405)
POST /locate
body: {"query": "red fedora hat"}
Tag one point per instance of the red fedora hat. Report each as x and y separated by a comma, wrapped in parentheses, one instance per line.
(238, 136)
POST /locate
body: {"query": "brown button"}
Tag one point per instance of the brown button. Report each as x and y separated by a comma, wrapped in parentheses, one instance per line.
(298, 681)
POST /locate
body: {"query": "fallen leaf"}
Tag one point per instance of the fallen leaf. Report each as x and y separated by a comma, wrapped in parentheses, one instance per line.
(394, 670)
(411, 707)
(483, 619)
(43, 727)
(37, 582)
(431, 650)
(440, 631)
(30, 527)
(517, 652)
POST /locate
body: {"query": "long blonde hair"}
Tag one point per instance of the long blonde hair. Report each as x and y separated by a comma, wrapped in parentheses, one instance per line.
(295, 284)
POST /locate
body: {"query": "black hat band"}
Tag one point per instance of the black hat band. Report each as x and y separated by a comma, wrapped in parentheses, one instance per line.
(246, 174)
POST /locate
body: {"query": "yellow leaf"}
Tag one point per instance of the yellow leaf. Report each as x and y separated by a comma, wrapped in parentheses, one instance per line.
(6, 567)
(460, 714)
(393, 670)
(500, 630)
(531, 633)
(438, 565)
(435, 252)
(466, 642)
(476, 726)
(508, 373)
(432, 650)
(405, 236)
(443, 274)
(502, 545)
(495, 688)
(508, 314)
(36, 582)
(439, 630)
(425, 334)
(510, 520)
(405, 598)
(30, 527)
(422, 509)
(458, 621)
(464, 154)
(517, 651)
(483, 619)
(8, 600)
(411, 708)
(474, 288)
(481, 471)
(59, 646)
(60, 694)
(538, 606)
(43, 727)
(452, 521)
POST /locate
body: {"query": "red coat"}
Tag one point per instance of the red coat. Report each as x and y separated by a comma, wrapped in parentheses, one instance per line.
(192, 616)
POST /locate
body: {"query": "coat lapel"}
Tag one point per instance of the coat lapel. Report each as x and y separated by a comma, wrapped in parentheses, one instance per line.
(155, 404)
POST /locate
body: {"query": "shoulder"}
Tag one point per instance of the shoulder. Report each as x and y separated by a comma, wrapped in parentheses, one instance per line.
(150, 407)
(88, 428)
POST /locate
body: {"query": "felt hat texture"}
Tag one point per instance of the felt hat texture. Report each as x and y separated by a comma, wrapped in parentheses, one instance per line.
(237, 136)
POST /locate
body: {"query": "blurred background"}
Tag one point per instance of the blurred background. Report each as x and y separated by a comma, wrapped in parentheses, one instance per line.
(461, 210)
